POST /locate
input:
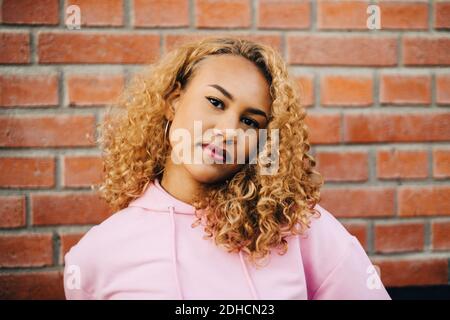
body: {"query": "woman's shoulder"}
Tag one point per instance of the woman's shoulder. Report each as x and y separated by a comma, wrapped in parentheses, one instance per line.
(100, 249)
(325, 236)
(117, 233)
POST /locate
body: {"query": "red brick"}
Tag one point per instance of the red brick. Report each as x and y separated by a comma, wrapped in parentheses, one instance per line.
(401, 15)
(443, 89)
(99, 12)
(441, 15)
(395, 163)
(424, 201)
(97, 48)
(343, 166)
(284, 15)
(12, 211)
(15, 47)
(361, 202)
(359, 230)
(337, 90)
(306, 89)
(223, 14)
(68, 240)
(47, 131)
(28, 90)
(431, 51)
(385, 127)
(400, 237)
(154, 13)
(30, 12)
(323, 128)
(342, 14)
(27, 172)
(440, 235)
(82, 171)
(76, 208)
(94, 90)
(174, 40)
(46, 285)
(344, 51)
(26, 250)
(441, 163)
(407, 272)
(405, 89)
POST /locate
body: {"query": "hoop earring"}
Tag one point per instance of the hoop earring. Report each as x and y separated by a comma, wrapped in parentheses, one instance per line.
(166, 128)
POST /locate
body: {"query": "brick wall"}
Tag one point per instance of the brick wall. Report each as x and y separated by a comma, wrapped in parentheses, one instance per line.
(378, 110)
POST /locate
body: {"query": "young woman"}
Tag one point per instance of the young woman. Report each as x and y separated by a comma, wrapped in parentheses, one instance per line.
(186, 229)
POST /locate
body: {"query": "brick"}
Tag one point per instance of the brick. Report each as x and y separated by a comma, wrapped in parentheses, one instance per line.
(15, 47)
(441, 163)
(385, 127)
(47, 285)
(284, 15)
(406, 272)
(27, 172)
(94, 90)
(26, 250)
(431, 51)
(78, 47)
(405, 89)
(30, 12)
(323, 128)
(424, 201)
(76, 209)
(404, 164)
(306, 89)
(400, 237)
(223, 14)
(404, 16)
(362, 202)
(338, 90)
(174, 40)
(153, 13)
(341, 51)
(441, 15)
(342, 15)
(12, 211)
(440, 235)
(99, 12)
(343, 166)
(47, 131)
(28, 90)
(359, 230)
(443, 89)
(68, 240)
(82, 171)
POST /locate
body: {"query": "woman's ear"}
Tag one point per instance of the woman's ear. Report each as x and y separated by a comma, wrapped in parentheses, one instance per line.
(173, 101)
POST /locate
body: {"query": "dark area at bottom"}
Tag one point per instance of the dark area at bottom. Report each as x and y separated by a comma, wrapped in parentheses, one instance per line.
(435, 292)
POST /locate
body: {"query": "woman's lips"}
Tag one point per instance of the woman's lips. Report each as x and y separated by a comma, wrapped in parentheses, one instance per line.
(214, 151)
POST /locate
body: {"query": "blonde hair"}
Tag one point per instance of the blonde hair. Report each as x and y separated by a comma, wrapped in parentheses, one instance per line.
(250, 211)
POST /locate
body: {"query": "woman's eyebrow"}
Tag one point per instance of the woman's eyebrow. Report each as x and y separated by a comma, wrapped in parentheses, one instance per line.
(230, 96)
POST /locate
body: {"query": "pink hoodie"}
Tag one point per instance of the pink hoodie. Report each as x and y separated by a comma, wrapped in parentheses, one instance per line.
(149, 251)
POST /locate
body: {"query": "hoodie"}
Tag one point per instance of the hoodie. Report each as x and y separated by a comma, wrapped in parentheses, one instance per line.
(150, 251)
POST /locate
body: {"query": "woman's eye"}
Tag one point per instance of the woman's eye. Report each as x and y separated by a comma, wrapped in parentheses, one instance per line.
(215, 102)
(251, 122)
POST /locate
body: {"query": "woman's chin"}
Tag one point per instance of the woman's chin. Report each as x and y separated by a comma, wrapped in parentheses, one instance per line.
(210, 173)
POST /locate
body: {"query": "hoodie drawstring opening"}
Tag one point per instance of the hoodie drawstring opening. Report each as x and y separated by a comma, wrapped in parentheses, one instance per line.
(174, 252)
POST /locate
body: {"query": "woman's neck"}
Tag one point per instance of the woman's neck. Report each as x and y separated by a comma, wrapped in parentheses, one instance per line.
(179, 183)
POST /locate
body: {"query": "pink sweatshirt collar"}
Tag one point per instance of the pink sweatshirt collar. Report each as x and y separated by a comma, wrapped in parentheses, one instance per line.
(156, 198)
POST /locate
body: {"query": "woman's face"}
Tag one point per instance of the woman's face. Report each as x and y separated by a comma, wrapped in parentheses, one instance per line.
(227, 96)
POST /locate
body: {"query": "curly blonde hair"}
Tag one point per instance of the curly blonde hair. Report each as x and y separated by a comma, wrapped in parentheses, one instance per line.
(252, 212)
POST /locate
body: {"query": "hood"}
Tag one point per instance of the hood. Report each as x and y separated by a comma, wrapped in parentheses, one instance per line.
(156, 198)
